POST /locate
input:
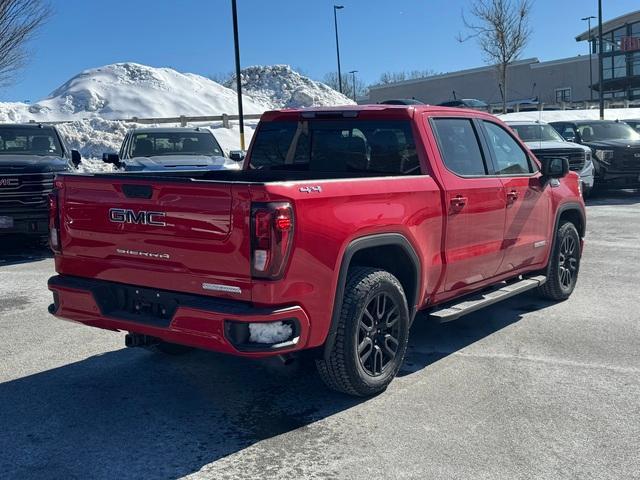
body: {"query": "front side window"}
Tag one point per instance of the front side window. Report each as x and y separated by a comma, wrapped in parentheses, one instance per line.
(510, 158)
(29, 141)
(459, 147)
(384, 147)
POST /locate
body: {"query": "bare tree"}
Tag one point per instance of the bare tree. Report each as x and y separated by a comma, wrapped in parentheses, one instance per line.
(331, 79)
(393, 77)
(501, 28)
(19, 22)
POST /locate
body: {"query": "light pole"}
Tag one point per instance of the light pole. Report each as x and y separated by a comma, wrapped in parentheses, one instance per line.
(600, 61)
(234, 12)
(588, 19)
(353, 73)
(335, 22)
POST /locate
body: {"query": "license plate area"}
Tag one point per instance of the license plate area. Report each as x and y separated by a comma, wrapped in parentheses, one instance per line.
(137, 304)
(6, 222)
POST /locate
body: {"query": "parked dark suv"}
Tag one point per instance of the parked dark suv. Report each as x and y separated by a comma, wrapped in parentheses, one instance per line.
(615, 146)
(30, 157)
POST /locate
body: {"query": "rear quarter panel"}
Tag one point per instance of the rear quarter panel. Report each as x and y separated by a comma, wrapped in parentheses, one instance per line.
(344, 210)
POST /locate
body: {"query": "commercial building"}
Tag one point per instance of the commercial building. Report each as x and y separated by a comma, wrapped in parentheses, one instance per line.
(532, 81)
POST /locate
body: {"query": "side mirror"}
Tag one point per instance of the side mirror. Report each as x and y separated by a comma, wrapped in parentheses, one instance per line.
(237, 155)
(112, 158)
(76, 158)
(556, 167)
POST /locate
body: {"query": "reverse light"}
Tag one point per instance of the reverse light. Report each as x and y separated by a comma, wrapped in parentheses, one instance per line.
(54, 222)
(605, 156)
(271, 238)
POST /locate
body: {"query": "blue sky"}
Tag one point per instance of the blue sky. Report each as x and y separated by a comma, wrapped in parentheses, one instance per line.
(196, 36)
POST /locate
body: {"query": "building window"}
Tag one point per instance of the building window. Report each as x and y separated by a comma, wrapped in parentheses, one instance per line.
(614, 67)
(614, 94)
(635, 29)
(634, 62)
(617, 37)
(563, 94)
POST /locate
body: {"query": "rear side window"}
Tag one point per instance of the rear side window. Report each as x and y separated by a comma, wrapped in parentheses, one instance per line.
(510, 158)
(459, 146)
(357, 146)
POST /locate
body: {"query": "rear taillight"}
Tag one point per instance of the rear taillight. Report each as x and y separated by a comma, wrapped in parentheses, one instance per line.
(54, 222)
(272, 227)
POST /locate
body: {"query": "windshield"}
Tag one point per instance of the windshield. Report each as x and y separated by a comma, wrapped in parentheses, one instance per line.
(29, 141)
(593, 132)
(174, 143)
(537, 133)
(358, 146)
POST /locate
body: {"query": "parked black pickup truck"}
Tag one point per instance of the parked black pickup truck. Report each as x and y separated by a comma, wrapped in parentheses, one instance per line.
(615, 146)
(30, 157)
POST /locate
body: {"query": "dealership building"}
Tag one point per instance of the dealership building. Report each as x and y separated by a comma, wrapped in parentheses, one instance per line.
(532, 81)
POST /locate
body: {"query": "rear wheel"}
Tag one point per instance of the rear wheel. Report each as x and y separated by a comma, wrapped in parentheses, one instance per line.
(372, 335)
(564, 264)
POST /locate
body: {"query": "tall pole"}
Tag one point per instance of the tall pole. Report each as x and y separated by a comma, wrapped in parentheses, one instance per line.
(588, 19)
(238, 79)
(353, 73)
(335, 22)
(600, 61)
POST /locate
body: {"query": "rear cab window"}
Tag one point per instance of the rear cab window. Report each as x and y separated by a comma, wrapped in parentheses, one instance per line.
(358, 146)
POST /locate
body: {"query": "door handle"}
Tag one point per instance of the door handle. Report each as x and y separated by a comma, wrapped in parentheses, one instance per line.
(512, 196)
(458, 202)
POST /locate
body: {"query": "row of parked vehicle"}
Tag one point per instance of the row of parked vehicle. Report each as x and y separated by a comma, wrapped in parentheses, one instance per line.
(32, 154)
(606, 154)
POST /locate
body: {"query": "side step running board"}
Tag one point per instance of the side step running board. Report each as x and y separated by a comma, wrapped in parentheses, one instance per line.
(485, 298)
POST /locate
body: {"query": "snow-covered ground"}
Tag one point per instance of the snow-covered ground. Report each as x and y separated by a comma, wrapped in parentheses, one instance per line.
(279, 86)
(97, 100)
(559, 115)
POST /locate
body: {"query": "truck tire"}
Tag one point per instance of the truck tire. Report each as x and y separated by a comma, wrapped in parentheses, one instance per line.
(372, 334)
(564, 264)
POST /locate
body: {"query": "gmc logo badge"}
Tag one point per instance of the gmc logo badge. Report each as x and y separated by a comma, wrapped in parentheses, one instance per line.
(125, 215)
(9, 182)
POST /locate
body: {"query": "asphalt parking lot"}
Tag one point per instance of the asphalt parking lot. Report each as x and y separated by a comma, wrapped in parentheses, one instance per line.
(526, 389)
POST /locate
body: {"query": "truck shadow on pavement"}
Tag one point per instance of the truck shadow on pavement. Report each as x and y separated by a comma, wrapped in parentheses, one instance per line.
(614, 197)
(131, 413)
(16, 250)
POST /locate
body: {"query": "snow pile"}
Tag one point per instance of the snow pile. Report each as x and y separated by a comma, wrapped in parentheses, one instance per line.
(125, 90)
(97, 100)
(279, 86)
(568, 115)
(272, 332)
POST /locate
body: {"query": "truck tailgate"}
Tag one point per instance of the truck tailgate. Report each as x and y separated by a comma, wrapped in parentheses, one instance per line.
(166, 234)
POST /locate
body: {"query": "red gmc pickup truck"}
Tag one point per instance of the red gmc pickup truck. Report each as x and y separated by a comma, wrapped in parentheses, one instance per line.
(343, 223)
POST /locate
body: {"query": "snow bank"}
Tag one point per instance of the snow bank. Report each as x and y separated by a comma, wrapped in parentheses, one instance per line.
(96, 99)
(272, 332)
(560, 115)
(279, 86)
(125, 90)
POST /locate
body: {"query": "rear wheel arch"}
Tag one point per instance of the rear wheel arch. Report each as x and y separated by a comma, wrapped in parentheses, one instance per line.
(391, 252)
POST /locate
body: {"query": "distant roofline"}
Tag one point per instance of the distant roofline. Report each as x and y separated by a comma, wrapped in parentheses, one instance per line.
(452, 74)
(609, 25)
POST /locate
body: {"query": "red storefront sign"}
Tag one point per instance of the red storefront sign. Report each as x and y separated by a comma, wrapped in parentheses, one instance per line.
(629, 44)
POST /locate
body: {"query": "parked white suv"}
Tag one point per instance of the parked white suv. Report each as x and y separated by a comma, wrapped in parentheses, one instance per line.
(161, 149)
(544, 141)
